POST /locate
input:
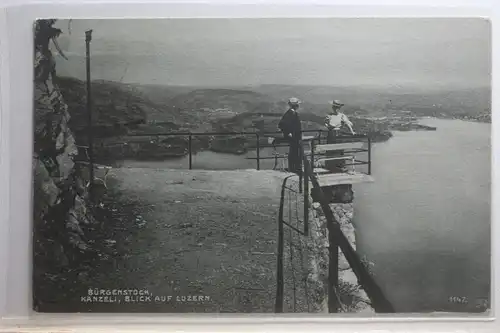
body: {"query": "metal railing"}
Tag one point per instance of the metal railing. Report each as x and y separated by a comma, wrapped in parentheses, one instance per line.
(337, 240)
(320, 137)
(344, 139)
(297, 226)
(190, 136)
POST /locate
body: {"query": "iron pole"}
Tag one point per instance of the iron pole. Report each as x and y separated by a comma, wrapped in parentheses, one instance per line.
(369, 156)
(190, 147)
(88, 39)
(302, 155)
(258, 150)
(305, 178)
(333, 271)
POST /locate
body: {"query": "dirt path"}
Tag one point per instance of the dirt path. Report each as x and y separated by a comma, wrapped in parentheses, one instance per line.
(210, 235)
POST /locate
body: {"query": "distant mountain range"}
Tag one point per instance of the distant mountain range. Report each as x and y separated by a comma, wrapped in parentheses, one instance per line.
(190, 107)
(121, 109)
(472, 100)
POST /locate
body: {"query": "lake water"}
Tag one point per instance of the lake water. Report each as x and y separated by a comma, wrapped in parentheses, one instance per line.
(425, 222)
(209, 160)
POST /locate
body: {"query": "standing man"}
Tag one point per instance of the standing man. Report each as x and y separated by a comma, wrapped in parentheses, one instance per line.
(292, 132)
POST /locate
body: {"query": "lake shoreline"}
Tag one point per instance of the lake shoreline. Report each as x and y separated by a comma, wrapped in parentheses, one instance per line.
(224, 147)
(156, 151)
(425, 210)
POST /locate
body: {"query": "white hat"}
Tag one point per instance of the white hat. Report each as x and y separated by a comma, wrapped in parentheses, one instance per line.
(336, 103)
(294, 101)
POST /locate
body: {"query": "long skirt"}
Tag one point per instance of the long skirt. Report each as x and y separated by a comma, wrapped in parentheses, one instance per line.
(335, 166)
(336, 193)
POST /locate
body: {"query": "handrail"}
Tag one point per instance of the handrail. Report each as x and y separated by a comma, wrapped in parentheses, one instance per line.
(278, 307)
(281, 223)
(235, 133)
(257, 146)
(337, 239)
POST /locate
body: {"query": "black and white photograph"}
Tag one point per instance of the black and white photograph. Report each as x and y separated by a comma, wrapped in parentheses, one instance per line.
(262, 165)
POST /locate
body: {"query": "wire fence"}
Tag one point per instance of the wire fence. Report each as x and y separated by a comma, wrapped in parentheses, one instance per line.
(294, 291)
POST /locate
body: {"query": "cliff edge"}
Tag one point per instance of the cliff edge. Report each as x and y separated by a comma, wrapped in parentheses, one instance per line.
(61, 211)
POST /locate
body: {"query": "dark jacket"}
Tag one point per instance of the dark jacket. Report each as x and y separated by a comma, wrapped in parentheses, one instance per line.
(290, 123)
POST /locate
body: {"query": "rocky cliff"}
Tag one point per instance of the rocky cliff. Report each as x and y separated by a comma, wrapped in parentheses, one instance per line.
(61, 212)
(306, 258)
(352, 297)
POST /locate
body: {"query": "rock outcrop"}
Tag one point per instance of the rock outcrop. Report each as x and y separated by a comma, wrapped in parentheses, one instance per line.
(61, 212)
(306, 258)
(352, 296)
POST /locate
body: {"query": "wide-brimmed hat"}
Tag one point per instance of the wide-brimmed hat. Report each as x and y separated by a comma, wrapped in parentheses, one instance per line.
(336, 103)
(294, 101)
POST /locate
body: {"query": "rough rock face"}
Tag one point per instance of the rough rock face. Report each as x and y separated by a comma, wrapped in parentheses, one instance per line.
(353, 298)
(60, 196)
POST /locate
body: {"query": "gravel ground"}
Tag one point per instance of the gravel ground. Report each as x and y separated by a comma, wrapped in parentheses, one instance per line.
(191, 233)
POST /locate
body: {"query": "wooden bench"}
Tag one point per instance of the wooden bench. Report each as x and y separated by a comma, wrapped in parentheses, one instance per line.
(339, 158)
(320, 170)
(309, 138)
(106, 168)
(338, 146)
(332, 179)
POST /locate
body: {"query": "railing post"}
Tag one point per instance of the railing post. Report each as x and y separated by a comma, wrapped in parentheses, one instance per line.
(312, 154)
(333, 244)
(301, 158)
(306, 195)
(190, 142)
(369, 155)
(258, 150)
(280, 287)
(278, 307)
(333, 272)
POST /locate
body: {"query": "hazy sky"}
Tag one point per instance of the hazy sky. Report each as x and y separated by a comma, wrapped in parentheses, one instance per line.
(224, 52)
